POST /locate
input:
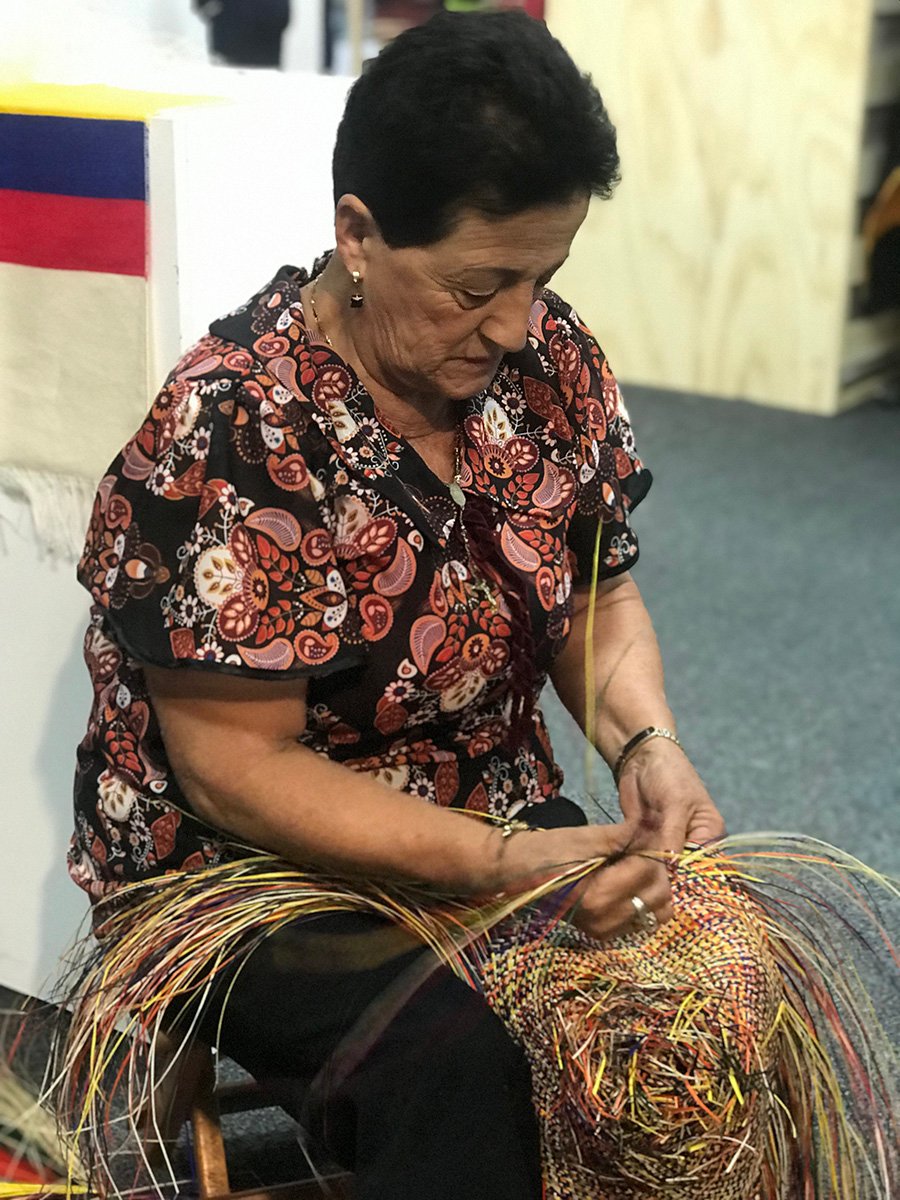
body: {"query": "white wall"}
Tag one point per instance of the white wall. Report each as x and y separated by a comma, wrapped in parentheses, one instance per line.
(302, 48)
(46, 697)
(99, 41)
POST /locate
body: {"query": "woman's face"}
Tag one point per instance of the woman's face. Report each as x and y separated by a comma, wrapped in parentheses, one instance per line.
(438, 319)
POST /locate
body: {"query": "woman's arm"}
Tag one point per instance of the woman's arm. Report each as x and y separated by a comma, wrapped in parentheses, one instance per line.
(628, 672)
(233, 746)
(658, 786)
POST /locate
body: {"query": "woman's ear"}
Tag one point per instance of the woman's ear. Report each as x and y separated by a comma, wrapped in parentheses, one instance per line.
(354, 231)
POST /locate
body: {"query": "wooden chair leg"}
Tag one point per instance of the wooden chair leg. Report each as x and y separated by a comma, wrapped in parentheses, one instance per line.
(187, 1093)
(206, 1128)
(175, 1084)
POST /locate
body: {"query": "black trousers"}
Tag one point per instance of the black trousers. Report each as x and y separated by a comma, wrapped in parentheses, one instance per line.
(397, 1068)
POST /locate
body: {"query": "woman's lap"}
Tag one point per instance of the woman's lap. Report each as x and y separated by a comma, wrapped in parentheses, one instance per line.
(397, 1067)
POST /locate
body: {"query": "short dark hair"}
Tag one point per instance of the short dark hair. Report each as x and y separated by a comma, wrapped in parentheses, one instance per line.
(471, 110)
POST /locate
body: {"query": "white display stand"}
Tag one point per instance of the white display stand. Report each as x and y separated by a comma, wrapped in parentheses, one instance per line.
(235, 191)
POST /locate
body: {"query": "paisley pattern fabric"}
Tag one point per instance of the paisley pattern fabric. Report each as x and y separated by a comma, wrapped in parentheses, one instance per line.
(264, 521)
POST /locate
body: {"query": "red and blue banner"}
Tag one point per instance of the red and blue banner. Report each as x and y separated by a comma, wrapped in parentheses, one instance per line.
(73, 193)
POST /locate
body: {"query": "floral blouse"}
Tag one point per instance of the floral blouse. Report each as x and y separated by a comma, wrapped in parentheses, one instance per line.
(264, 522)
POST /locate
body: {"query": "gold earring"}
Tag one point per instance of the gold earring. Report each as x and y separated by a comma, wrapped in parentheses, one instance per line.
(356, 299)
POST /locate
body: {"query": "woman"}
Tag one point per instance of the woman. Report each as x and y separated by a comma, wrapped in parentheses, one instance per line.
(332, 572)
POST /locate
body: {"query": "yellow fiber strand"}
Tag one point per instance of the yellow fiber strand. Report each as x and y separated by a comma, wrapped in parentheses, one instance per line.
(21, 1190)
(590, 683)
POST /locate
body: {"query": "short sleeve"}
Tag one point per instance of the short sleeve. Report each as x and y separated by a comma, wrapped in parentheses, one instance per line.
(612, 480)
(210, 543)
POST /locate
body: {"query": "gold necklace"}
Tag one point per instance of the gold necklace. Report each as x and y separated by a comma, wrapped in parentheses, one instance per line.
(315, 313)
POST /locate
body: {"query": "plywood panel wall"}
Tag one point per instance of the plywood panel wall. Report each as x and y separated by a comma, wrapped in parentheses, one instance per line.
(721, 265)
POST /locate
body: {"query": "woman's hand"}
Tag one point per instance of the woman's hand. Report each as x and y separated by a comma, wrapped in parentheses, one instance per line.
(603, 901)
(661, 792)
(665, 800)
(665, 805)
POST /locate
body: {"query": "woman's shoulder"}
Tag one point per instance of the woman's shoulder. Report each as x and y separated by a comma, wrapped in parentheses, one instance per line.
(557, 308)
(258, 370)
(559, 347)
(555, 319)
(561, 359)
(271, 319)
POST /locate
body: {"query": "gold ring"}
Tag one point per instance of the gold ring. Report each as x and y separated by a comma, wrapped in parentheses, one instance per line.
(644, 918)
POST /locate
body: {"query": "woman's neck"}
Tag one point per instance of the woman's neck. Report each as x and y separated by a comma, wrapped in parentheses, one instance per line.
(411, 415)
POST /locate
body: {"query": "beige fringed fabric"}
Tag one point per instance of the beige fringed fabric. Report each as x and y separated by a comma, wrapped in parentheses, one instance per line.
(60, 507)
(73, 389)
